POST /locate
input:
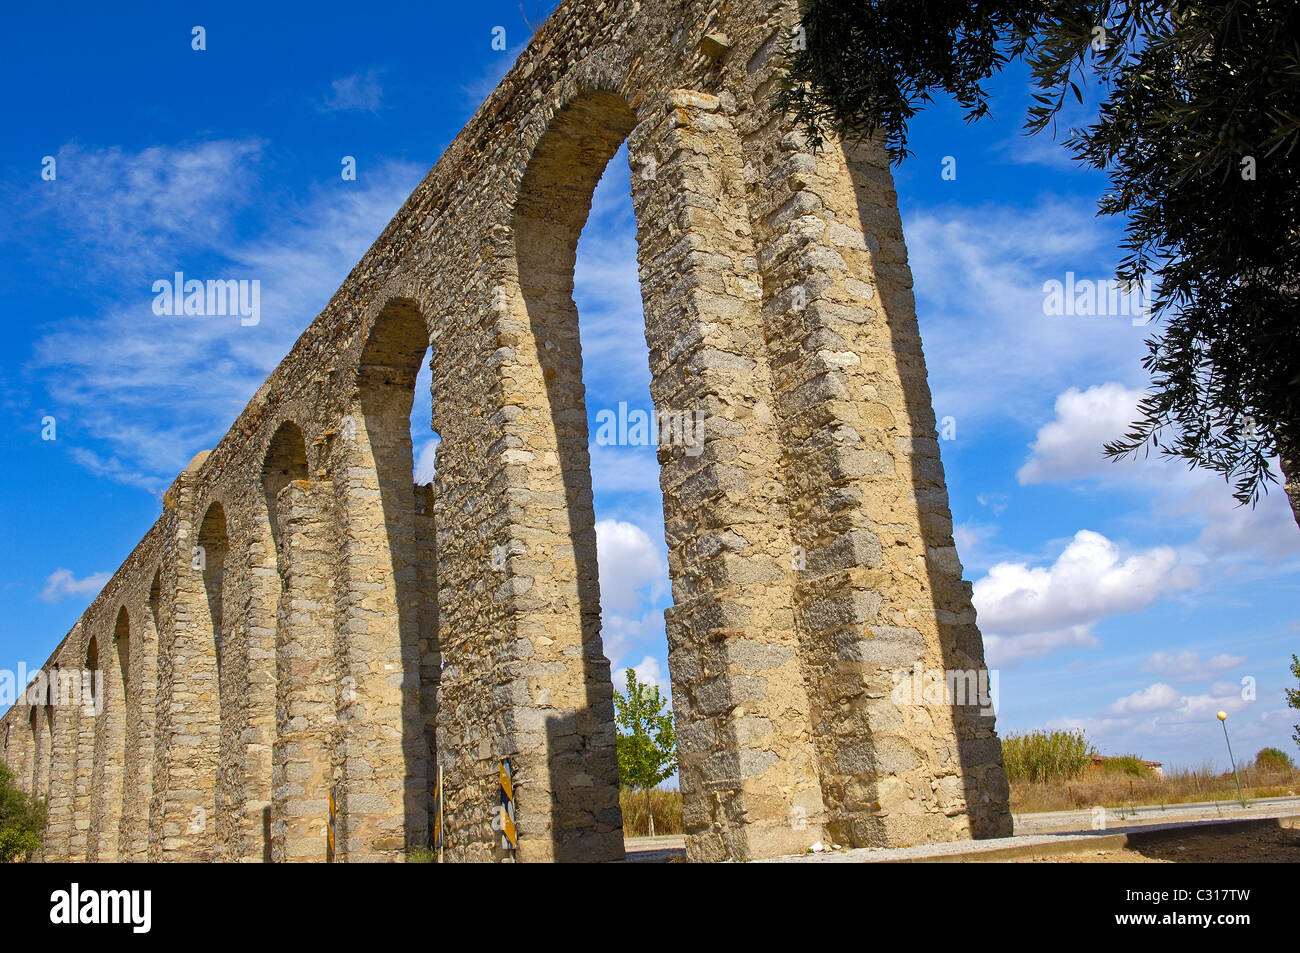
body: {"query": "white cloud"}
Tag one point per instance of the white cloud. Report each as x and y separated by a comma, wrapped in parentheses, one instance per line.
(1070, 446)
(979, 272)
(1068, 449)
(360, 91)
(648, 672)
(151, 391)
(424, 463)
(629, 562)
(145, 205)
(1189, 666)
(63, 583)
(1026, 611)
(1157, 697)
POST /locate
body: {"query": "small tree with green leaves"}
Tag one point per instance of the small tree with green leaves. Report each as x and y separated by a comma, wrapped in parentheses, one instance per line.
(647, 745)
(22, 819)
(1293, 697)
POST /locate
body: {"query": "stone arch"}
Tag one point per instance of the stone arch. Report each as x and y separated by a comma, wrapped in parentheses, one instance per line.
(731, 629)
(193, 737)
(34, 776)
(300, 530)
(220, 625)
(154, 599)
(570, 741)
(123, 705)
(384, 534)
(109, 770)
(214, 544)
(149, 690)
(284, 462)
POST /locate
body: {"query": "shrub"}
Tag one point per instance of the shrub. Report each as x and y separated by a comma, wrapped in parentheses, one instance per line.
(1128, 764)
(1045, 755)
(1273, 759)
(22, 819)
(667, 807)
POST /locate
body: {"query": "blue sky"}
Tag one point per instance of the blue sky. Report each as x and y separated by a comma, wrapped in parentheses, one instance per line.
(1130, 600)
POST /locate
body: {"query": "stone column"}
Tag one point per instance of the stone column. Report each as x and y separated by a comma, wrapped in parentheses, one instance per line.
(382, 793)
(137, 791)
(59, 806)
(109, 754)
(430, 654)
(260, 625)
(748, 772)
(880, 589)
(307, 680)
(80, 847)
(22, 758)
(41, 768)
(192, 739)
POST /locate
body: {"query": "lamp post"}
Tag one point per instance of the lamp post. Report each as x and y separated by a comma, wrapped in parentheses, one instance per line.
(1223, 717)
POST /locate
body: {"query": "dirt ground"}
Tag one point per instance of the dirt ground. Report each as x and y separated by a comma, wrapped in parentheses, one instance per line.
(1266, 845)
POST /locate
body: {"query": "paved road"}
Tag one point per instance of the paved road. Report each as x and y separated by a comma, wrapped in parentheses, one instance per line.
(1059, 821)
(1041, 830)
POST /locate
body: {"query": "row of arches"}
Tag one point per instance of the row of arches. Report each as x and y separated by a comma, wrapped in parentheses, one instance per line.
(305, 596)
(233, 747)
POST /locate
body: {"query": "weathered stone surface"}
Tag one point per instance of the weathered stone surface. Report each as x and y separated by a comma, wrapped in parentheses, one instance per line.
(300, 622)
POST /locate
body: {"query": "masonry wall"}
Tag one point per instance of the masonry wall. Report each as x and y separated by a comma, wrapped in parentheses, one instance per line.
(301, 623)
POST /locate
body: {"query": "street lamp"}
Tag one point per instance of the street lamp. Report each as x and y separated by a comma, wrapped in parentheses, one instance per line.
(1223, 717)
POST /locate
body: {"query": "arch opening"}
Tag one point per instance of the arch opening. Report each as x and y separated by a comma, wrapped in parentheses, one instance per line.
(214, 543)
(553, 206)
(285, 462)
(392, 423)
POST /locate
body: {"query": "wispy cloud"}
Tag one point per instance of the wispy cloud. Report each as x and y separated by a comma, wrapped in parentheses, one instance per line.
(138, 394)
(63, 583)
(131, 212)
(360, 92)
(992, 352)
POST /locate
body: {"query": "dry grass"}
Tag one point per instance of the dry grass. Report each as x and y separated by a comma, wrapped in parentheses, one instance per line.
(1119, 790)
(667, 807)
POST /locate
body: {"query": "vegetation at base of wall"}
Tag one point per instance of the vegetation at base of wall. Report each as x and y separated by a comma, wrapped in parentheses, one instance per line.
(1044, 756)
(22, 819)
(422, 855)
(665, 805)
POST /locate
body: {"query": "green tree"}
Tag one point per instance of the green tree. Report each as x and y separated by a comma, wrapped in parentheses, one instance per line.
(1293, 697)
(1196, 126)
(22, 819)
(647, 745)
(1273, 759)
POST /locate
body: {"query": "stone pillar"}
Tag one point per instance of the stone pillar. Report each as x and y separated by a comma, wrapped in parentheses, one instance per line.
(137, 786)
(110, 749)
(260, 625)
(59, 806)
(382, 786)
(80, 846)
(307, 680)
(41, 768)
(747, 767)
(192, 739)
(430, 654)
(880, 589)
(22, 759)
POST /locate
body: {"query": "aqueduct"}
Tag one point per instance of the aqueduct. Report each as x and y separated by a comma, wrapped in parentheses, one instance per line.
(302, 621)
